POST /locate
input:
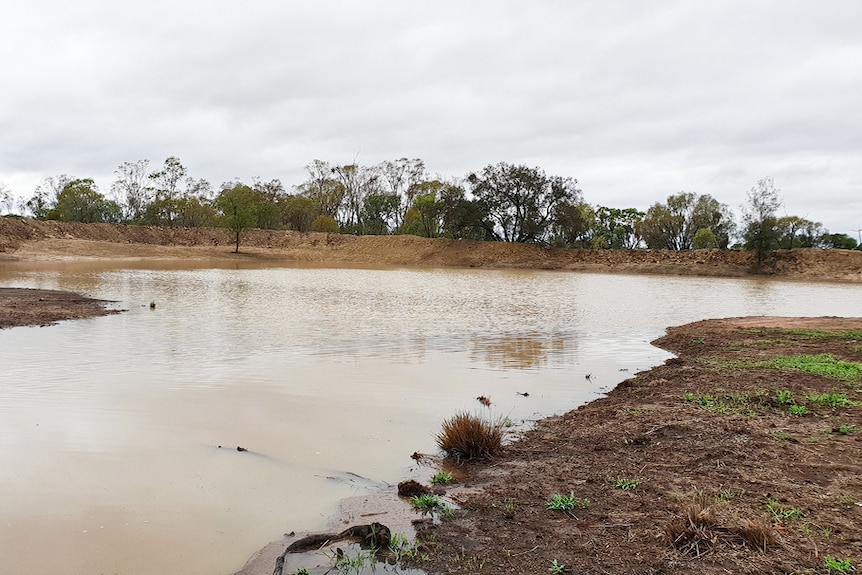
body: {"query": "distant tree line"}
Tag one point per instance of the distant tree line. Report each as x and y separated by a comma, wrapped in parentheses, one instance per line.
(502, 202)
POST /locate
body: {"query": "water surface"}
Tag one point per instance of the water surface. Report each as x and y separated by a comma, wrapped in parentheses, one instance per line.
(110, 428)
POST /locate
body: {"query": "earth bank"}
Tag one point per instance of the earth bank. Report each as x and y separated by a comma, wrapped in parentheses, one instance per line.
(32, 240)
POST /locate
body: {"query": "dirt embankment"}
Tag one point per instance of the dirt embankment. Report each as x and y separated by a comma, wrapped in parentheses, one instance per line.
(23, 239)
(709, 464)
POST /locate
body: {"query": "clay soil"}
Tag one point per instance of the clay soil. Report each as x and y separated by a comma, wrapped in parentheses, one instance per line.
(20, 307)
(728, 480)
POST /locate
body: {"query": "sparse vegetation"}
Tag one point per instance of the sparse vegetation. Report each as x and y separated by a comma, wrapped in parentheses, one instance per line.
(781, 513)
(627, 484)
(568, 502)
(824, 364)
(831, 399)
(797, 410)
(467, 436)
(840, 566)
(556, 567)
(441, 478)
(426, 502)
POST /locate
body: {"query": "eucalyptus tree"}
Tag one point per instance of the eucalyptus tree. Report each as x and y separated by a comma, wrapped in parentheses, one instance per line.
(131, 189)
(269, 197)
(80, 201)
(674, 224)
(760, 224)
(44, 198)
(574, 225)
(238, 208)
(402, 177)
(797, 232)
(323, 188)
(617, 228)
(521, 201)
(358, 182)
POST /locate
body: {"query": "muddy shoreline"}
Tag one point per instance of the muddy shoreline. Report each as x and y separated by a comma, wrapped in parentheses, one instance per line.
(39, 307)
(678, 465)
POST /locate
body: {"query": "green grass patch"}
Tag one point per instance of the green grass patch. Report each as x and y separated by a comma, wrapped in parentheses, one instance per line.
(824, 364)
(759, 344)
(568, 502)
(426, 502)
(627, 484)
(782, 513)
(835, 565)
(798, 410)
(831, 399)
(810, 334)
(729, 403)
(441, 478)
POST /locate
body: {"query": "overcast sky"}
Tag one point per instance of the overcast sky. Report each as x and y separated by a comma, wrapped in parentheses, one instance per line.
(635, 99)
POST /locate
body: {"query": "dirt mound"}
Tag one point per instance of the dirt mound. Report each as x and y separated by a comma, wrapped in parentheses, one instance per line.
(24, 239)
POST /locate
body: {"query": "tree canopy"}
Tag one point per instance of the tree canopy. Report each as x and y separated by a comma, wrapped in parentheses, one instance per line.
(501, 202)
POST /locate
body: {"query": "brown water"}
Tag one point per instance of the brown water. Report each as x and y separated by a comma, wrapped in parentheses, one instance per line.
(331, 378)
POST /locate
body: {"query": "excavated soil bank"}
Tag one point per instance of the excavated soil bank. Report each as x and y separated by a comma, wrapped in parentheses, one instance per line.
(31, 240)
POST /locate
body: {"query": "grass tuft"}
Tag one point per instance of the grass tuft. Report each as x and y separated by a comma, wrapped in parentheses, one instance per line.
(467, 436)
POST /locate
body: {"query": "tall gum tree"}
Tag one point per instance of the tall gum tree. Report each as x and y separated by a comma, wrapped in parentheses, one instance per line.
(521, 201)
(236, 202)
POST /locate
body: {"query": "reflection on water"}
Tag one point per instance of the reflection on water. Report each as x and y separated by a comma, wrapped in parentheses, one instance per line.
(109, 428)
(523, 351)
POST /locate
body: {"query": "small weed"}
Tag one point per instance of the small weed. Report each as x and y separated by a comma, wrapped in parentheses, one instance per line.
(627, 484)
(831, 399)
(845, 429)
(705, 400)
(302, 571)
(556, 567)
(441, 478)
(780, 513)
(726, 495)
(688, 396)
(426, 502)
(784, 396)
(403, 548)
(568, 502)
(782, 436)
(346, 562)
(700, 340)
(797, 410)
(835, 565)
(509, 509)
(508, 423)
(826, 532)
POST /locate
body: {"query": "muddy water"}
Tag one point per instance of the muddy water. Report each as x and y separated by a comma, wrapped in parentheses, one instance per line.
(110, 428)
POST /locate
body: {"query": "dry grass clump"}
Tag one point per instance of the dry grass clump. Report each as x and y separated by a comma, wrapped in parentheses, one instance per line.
(468, 436)
(699, 531)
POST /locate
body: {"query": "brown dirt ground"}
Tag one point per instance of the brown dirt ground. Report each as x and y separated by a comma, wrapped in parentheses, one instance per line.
(19, 307)
(730, 457)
